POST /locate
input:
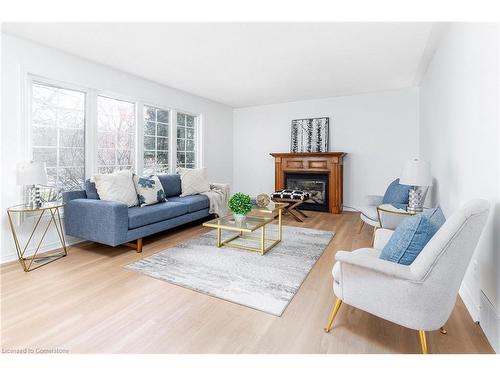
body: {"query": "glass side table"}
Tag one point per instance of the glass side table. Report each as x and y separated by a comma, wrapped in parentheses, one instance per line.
(391, 214)
(52, 208)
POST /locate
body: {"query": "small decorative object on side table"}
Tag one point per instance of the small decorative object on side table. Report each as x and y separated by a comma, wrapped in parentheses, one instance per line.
(417, 174)
(32, 174)
(55, 217)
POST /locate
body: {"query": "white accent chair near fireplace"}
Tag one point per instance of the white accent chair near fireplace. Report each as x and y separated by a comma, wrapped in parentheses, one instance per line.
(368, 213)
(420, 296)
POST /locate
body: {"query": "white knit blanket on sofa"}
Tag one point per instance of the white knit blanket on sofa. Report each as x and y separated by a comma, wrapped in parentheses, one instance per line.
(218, 195)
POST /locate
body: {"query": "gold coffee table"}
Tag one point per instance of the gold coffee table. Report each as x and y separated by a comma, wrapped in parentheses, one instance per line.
(258, 218)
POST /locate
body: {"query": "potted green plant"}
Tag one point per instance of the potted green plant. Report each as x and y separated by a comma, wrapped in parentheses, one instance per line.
(240, 205)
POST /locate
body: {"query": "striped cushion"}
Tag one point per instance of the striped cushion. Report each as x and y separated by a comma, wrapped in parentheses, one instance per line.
(297, 195)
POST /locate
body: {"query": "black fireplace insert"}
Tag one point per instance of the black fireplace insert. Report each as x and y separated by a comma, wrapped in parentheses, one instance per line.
(316, 184)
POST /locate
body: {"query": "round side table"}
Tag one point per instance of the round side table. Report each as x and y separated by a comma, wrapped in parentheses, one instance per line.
(53, 209)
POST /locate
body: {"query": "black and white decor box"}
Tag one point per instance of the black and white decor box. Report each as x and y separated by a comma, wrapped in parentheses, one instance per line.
(310, 135)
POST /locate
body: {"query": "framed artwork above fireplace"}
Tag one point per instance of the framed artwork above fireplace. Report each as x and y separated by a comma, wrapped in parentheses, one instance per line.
(310, 135)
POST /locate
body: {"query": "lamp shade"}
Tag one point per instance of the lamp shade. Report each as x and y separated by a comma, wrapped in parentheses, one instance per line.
(417, 172)
(31, 173)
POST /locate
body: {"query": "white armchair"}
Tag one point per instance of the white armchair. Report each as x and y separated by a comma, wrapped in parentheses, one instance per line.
(420, 296)
(368, 212)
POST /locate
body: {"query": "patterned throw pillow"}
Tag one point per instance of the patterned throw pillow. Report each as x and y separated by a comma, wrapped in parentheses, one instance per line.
(149, 190)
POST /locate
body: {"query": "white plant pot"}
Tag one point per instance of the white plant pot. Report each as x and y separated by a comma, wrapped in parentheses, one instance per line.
(239, 219)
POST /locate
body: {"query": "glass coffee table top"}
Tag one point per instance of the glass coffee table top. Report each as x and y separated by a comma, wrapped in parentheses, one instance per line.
(250, 224)
(272, 207)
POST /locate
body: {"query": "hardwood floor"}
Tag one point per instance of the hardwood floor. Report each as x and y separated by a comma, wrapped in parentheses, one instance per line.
(89, 303)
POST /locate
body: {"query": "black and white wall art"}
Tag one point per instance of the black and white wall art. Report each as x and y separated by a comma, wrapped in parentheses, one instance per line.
(310, 135)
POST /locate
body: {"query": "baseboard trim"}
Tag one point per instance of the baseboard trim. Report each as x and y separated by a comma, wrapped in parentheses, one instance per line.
(469, 302)
(12, 258)
(490, 322)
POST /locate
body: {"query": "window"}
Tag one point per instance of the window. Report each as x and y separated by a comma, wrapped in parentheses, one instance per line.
(75, 147)
(58, 134)
(186, 140)
(156, 135)
(115, 135)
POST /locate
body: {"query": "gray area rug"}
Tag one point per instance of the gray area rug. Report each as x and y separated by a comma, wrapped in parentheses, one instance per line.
(266, 283)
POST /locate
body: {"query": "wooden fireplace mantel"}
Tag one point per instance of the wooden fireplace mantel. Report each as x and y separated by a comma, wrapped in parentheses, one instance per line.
(313, 162)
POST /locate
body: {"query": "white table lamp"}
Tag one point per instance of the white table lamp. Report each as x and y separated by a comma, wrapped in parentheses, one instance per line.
(417, 174)
(32, 174)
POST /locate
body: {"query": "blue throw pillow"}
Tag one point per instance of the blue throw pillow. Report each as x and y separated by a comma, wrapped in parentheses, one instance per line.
(396, 193)
(408, 240)
(436, 216)
(91, 190)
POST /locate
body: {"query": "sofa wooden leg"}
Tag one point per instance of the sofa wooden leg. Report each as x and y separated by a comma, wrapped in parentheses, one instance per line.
(137, 245)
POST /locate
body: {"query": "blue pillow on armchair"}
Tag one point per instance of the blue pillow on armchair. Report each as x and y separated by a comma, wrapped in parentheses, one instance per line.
(411, 236)
(396, 193)
(408, 240)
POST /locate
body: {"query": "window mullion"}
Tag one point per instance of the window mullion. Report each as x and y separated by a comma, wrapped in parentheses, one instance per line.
(90, 133)
(58, 152)
(198, 144)
(173, 142)
(140, 139)
(155, 168)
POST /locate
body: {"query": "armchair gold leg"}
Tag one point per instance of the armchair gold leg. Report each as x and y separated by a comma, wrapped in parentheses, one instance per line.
(373, 236)
(335, 310)
(423, 341)
(361, 226)
(443, 330)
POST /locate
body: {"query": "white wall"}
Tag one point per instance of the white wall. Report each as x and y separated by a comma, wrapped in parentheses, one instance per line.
(20, 57)
(379, 131)
(459, 134)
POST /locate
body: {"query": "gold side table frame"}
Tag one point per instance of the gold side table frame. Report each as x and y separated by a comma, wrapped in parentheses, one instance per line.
(393, 210)
(252, 224)
(55, 217)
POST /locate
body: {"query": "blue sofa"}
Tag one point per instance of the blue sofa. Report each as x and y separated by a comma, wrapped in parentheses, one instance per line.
(113, 223)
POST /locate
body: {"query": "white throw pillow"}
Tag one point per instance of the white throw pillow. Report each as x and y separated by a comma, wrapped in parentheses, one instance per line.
(117, 186)
(149, 190)
(193, 181)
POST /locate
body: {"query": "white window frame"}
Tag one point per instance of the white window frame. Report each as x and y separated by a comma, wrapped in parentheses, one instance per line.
(28, 115)
(91, 118)
(172, 124)
(141, 148)
(198, 123)
(123, 98)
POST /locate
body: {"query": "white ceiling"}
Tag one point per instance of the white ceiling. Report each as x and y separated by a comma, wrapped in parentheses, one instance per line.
(245, 64)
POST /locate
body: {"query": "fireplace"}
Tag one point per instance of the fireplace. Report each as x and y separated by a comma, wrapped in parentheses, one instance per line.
(316, 184)
(310, 166)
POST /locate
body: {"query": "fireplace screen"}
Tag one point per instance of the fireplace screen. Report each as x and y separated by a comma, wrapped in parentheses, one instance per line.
(315, 184)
